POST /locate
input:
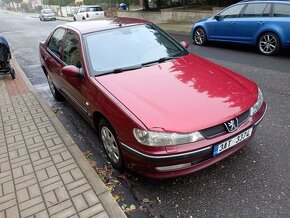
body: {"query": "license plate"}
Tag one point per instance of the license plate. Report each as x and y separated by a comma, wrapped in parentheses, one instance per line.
(232, 142)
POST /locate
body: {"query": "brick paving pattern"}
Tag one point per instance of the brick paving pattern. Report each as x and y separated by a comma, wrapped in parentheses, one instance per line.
(39, 177)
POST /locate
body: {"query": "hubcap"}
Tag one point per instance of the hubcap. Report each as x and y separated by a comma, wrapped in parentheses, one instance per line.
(268, 44)
(199, 36)
(51, 86)
(110, 144)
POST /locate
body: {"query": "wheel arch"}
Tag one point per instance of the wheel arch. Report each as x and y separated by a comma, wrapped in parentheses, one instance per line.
(44, 70)
(259, 34)
(97, 116)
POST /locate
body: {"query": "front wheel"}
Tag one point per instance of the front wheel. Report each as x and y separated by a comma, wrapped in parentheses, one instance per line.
(109, 140)
(269, 44)
(199, 36)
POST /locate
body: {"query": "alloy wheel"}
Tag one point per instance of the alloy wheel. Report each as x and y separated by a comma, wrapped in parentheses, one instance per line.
(110, 144)
(199, 36)
(268, 44)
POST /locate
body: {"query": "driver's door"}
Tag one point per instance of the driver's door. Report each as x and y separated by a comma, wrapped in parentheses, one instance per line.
(75, 88)
(222, 25)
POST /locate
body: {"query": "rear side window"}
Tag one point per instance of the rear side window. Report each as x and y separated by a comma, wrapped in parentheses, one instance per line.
(54, 43)
(281, 10)
(255, 10)
(232, 11)
(92, 9)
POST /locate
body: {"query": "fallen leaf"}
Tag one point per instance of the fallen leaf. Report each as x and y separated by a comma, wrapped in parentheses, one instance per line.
(117, 197)
(145, 200)
(124, 206)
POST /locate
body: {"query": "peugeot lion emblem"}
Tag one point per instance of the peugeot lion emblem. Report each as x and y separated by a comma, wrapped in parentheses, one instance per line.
(232, 125)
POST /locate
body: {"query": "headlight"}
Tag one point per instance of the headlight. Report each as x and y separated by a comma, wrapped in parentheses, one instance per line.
(258, 104)
(152, 138)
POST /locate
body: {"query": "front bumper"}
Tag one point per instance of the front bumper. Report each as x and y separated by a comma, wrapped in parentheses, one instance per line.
(170, 165)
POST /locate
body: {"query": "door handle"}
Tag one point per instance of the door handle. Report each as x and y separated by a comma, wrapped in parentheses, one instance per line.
(261, 23)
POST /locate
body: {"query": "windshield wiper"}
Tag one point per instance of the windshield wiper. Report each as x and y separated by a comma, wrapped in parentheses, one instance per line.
(119, 70)
(160, 60)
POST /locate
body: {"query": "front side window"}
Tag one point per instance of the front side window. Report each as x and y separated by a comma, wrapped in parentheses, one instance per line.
(281, 10)
(71, 51)
(55, 41)
(254, 10)
(233, 11)
(124, 47)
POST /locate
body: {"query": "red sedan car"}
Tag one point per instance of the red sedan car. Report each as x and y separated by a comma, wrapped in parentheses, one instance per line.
(159, 110)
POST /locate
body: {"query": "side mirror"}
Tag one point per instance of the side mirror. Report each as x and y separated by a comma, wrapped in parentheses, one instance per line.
(217, 17)
(185, 44)
(72, 71)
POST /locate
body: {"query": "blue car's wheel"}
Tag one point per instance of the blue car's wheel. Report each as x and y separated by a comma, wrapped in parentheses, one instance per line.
(268, 43)
(199, 36)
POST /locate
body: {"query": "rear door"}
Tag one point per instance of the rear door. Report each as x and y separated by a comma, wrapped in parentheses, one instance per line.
(254, 17)
(281, 21)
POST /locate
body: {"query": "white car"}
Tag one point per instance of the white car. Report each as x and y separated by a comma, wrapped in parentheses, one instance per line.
(87, 12)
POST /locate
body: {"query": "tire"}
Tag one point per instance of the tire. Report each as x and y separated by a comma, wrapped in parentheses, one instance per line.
(12, 72)
(199, 36)
(268, 44)
(109, 140)
(56, 94)
(75, 19)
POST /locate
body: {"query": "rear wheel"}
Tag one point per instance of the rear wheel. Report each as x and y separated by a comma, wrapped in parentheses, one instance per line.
(109, 140)
(269, 43)
(199, 36)
(56, 94)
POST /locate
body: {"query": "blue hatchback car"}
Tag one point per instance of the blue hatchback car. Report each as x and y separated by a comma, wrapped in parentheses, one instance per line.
(265, 24)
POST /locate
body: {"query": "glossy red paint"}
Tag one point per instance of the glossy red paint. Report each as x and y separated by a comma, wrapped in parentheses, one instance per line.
(167, 95)
(181, 95)
(71, 71)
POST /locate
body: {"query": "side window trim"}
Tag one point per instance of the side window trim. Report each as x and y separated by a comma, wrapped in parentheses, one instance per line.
(239, 15)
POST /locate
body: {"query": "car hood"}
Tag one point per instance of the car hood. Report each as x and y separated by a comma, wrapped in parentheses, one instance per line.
(182, 95)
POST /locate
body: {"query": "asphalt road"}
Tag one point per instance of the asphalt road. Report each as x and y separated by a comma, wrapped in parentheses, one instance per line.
(255, 182)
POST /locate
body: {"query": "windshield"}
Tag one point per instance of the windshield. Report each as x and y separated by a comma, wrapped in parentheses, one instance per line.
(129, 48)
(47, 11)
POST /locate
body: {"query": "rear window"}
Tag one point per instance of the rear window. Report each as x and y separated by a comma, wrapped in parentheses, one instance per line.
(281, 10)
(47, 11)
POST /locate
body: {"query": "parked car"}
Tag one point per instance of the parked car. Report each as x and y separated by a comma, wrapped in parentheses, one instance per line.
(264, 24)
(87, 12)
(158, 110)
(47, 14)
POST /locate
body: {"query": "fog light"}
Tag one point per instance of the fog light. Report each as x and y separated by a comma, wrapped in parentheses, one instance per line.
(173, 167)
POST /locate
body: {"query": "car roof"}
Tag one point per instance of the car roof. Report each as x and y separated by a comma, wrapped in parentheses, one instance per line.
(272, 1)
(89, 26)
(89, 6)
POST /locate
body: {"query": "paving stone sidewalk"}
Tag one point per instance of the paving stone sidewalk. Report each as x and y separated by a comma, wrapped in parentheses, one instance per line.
(42, 171)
